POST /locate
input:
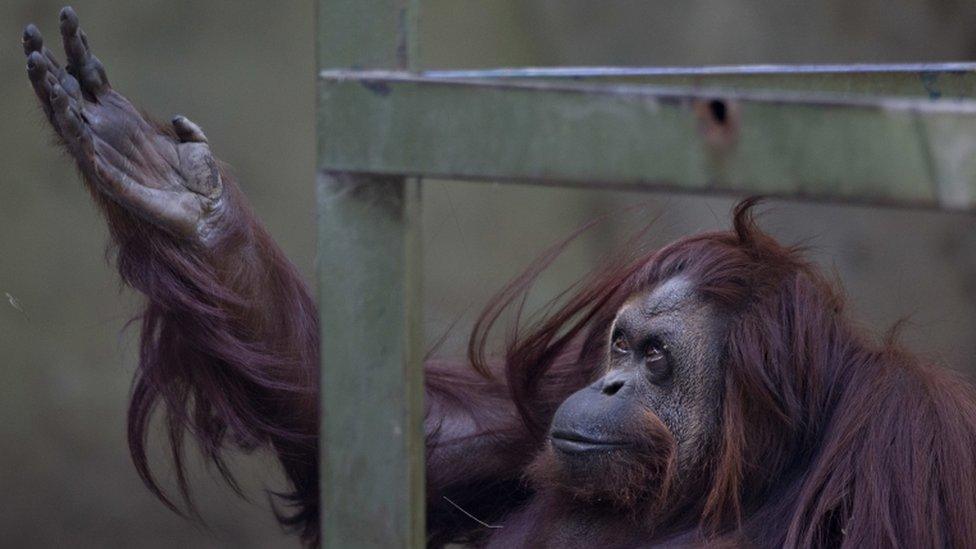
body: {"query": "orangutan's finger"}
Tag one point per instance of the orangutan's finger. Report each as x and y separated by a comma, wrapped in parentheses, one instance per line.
(37, 72)
(187, 130)
(81, 63)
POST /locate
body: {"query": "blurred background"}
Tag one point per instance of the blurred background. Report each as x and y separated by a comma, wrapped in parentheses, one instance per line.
(244, 70)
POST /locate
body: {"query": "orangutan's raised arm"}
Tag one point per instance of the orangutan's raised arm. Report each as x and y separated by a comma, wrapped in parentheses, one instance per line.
(229, 335)
(229, 338)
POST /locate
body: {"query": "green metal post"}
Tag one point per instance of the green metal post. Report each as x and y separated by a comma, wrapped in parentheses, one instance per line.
(372, 450)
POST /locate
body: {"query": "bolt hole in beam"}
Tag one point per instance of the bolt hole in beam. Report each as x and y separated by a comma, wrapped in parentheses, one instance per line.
(719, 124)
(718, 111)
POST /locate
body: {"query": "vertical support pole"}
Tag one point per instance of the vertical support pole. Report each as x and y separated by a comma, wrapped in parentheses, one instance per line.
(372, 441)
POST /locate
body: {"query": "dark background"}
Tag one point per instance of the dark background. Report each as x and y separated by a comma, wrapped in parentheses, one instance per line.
(244, 70)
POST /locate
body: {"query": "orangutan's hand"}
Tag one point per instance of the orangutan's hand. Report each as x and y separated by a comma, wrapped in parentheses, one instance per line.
(166, 176)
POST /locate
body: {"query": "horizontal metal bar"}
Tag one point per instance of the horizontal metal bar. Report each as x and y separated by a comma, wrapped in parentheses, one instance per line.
(931, 80)
(615, 72)
(814, 145)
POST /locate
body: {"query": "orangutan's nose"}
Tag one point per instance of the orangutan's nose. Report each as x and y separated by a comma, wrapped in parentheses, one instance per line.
(613, 382)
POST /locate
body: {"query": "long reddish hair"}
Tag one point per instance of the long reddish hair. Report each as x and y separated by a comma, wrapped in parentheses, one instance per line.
(226, 382)
(827, 436)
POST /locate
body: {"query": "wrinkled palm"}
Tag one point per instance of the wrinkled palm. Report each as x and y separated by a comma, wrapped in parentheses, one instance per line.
(166, 176)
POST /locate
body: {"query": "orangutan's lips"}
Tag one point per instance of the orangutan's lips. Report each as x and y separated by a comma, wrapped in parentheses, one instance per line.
(575, 443)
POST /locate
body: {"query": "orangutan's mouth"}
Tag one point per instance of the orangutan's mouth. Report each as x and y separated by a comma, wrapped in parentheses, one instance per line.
(576, 443)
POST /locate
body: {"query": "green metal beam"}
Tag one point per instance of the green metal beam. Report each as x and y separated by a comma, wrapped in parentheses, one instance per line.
(372, 473)
(898, 151)
(925, 80)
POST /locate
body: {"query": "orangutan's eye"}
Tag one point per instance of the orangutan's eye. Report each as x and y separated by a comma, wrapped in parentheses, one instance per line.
(657, 360)
(620, 344)
(655, 353)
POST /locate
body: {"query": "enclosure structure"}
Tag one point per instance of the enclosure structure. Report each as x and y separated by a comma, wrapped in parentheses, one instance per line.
(900, 135)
